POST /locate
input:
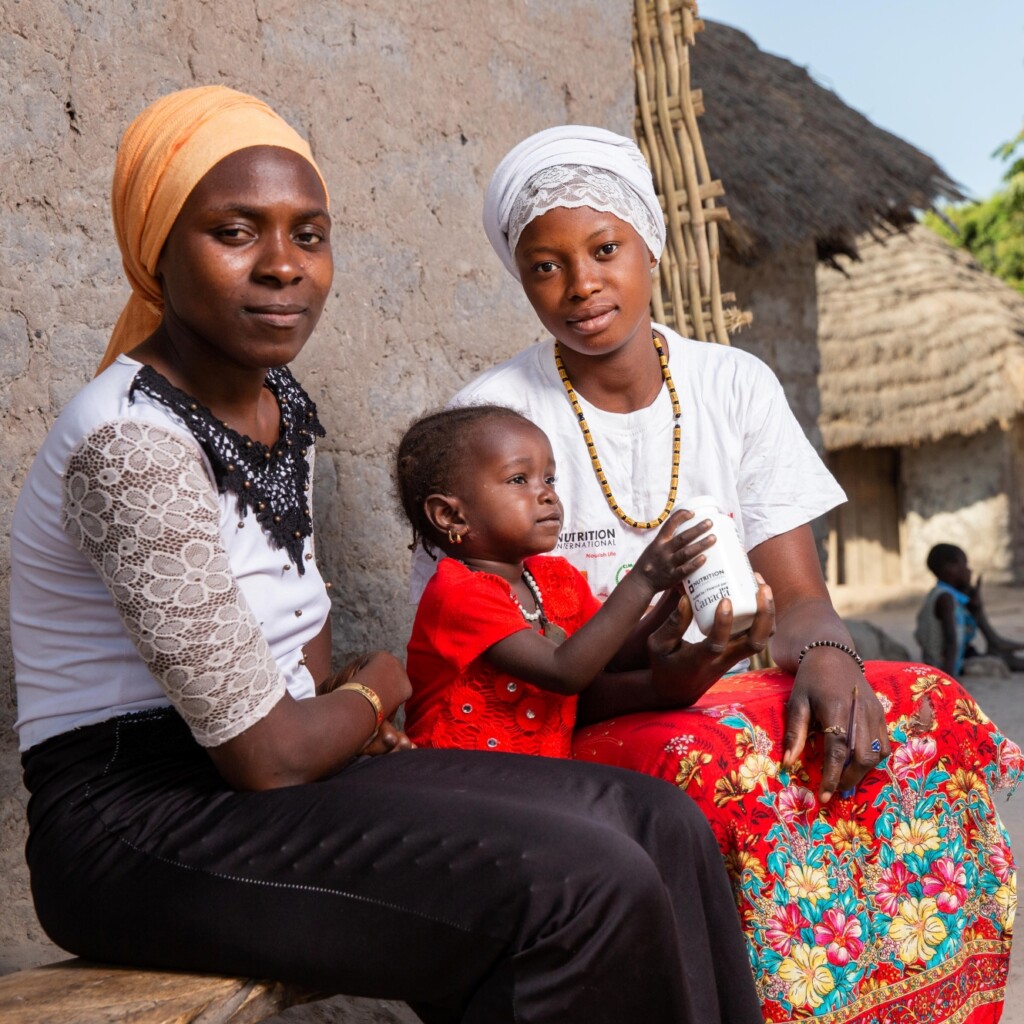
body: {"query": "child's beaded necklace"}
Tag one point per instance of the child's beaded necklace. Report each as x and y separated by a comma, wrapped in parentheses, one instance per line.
(550, 629)
(531, 585)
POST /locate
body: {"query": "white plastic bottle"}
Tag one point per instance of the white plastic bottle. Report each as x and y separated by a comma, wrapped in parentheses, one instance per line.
(726, 571)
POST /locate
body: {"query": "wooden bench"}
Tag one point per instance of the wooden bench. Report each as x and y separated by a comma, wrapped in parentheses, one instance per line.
(78, 992)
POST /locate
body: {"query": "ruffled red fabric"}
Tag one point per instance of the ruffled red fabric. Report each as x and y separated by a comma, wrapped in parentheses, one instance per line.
(461, 701)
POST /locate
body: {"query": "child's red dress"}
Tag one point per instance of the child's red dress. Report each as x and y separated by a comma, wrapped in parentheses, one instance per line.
(459, 700)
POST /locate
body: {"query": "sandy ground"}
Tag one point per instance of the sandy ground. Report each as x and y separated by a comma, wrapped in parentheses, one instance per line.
(1000, 698)
(894, 613)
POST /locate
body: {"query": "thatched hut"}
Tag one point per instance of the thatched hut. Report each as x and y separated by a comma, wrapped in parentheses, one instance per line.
(804, 176)
(922, 395)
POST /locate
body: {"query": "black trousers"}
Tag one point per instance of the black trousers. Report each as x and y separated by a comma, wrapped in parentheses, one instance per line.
(479, 887)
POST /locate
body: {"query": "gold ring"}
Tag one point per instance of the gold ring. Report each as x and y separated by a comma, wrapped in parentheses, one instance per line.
(834, 730)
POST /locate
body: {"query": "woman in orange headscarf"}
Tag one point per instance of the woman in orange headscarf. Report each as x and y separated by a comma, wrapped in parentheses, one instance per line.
(195, 804)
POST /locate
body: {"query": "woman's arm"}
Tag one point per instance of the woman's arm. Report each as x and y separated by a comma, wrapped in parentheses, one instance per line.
(305, 740)
(138, 504)
(317, 655)
(827, 677)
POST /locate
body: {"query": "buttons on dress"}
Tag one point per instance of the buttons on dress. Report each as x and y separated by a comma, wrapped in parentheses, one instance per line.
(530, 714)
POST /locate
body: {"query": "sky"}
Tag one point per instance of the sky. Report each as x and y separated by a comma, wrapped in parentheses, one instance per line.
(947, 77)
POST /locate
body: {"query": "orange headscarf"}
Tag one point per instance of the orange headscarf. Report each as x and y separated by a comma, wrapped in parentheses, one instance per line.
(164, 153)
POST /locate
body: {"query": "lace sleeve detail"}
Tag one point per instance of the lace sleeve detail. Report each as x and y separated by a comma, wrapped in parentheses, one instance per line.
(139, 505)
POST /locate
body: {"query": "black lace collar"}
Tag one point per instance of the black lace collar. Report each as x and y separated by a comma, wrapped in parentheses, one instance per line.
(272, 482)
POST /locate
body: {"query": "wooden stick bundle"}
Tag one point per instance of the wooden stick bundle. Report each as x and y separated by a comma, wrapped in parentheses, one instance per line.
(689, 296)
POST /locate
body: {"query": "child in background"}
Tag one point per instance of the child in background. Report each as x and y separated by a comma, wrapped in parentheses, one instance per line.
(953, 613)
(504, 637)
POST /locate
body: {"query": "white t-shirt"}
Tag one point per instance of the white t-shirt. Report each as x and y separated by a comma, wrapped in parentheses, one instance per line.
(740, 444)
(135, 583)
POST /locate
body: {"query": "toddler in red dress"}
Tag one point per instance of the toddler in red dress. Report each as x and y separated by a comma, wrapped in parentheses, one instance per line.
(506, 636)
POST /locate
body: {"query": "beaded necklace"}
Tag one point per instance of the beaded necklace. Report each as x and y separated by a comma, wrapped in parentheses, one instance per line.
(531, 585)
(666, 376)
(550, 629)
(534, 589)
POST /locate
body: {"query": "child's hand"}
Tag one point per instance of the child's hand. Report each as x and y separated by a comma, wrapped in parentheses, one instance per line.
(974, 604)
(673, 555)
(388, 739)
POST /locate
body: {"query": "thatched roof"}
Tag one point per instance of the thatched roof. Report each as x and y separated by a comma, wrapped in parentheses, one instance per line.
(917, 342)
(796, 161)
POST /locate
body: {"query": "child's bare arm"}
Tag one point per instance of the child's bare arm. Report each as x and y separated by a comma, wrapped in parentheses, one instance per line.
(996, 643)
(572, 665)
(945, 612)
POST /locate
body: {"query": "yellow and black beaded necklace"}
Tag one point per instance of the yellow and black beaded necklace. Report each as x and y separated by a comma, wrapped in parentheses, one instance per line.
(649, 524)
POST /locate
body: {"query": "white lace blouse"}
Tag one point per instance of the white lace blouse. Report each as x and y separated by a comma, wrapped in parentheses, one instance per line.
(159, 558)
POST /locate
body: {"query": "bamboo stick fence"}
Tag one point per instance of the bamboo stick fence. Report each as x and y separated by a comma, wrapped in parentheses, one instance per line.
(689, 295)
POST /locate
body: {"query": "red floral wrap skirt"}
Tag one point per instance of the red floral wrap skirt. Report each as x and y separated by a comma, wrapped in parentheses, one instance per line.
(894, 904)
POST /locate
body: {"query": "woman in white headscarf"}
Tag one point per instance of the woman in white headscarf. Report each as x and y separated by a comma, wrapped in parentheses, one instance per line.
(564, 211)
(836, 865)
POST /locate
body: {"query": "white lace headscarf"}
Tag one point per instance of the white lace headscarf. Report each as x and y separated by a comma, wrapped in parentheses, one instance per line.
(571, 166)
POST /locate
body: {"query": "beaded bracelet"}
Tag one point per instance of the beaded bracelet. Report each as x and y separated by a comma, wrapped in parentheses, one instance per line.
(838, 646)
(378, 708)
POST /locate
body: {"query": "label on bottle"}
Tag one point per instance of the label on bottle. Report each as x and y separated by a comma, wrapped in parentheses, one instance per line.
(726, 572)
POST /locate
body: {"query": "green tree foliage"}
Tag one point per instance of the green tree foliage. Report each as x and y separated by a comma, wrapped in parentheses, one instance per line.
(992, 230)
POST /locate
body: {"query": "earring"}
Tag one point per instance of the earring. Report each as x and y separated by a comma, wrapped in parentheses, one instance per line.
(453, 537)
